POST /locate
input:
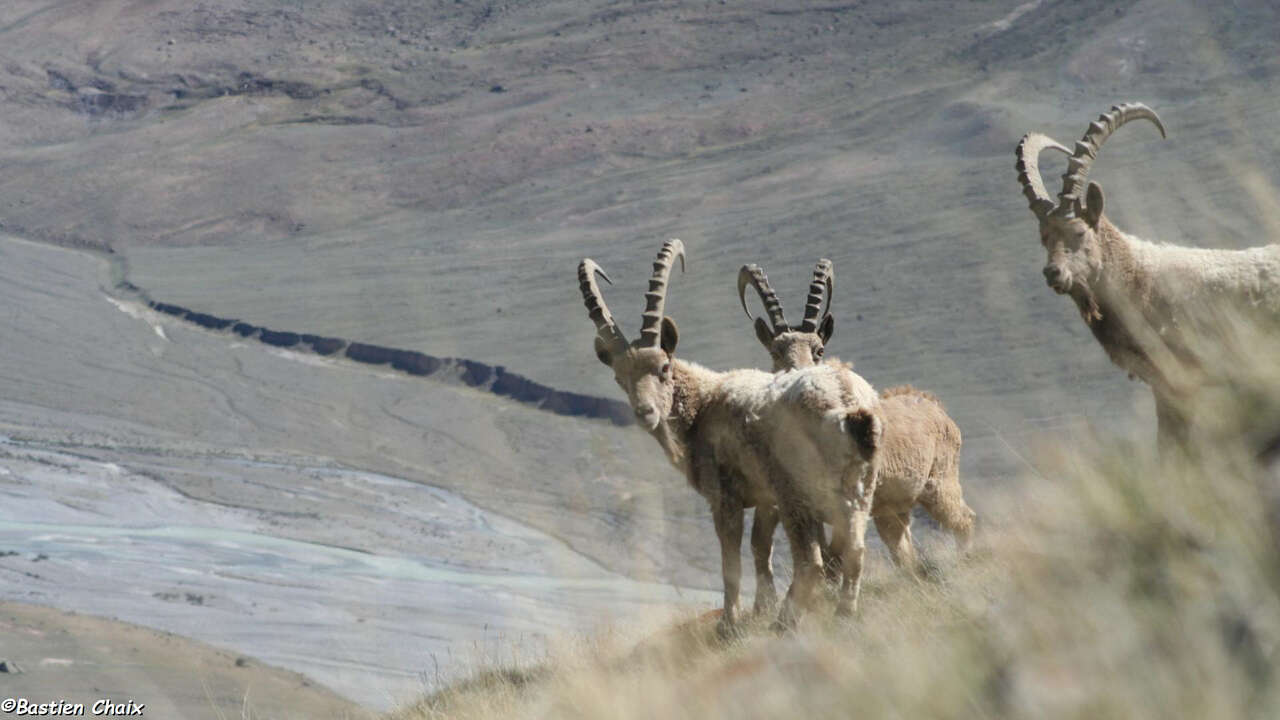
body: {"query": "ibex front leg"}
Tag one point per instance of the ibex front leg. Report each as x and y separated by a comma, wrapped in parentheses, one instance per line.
(728, 513)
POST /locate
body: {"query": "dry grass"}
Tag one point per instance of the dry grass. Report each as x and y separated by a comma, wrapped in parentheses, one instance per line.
(1127, 588)
(1119, 584)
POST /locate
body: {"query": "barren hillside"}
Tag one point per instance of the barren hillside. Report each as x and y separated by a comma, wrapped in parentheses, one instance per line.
(425, 176)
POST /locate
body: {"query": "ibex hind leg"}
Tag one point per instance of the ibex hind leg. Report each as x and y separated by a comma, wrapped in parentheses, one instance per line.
(852, 535)
(946, 505)
(832, 561)
(803, 532)
(763, 527)
(895, 531)
(858, 487)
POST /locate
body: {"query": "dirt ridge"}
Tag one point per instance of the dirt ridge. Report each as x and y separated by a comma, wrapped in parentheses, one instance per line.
(489, 378)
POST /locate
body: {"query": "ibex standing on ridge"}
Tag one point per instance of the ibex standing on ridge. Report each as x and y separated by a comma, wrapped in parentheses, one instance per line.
(806, 441)
(920, 450)
(1151, 306)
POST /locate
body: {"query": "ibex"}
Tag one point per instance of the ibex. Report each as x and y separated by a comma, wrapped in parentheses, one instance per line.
(920, 451)
(1154, 308)
(802, 345)
(805, 441)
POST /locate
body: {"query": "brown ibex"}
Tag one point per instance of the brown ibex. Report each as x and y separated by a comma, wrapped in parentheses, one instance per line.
(920, 451)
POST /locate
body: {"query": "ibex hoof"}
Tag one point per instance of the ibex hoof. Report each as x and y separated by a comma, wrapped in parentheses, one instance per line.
(788, 620)
(727, 630)
(765, 603)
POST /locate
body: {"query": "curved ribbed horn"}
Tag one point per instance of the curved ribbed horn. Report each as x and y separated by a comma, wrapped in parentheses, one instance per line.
(606, 328)
(1028, 166)
(754, 276)
(1086, 151)
(655, 299)
(823, 279)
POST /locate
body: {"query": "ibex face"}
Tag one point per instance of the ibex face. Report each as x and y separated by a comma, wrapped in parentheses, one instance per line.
(801, 346)
(794, 349)
(643, 368)
(1069, 227)
(644, 374)
(1074, 251)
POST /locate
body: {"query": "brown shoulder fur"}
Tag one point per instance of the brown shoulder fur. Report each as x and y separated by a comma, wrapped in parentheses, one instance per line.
(1124, 285)
(689, 394)
(1122, 274)
(898, 390)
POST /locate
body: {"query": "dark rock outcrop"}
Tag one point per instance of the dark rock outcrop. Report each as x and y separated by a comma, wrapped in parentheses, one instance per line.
(473, 373)
(416, 363)
(324, 345)
(497, 380)
(105, 103)
(244, 329)
(279, 339)
(210, 322)
(517, 387)
(371, 354)
(168, 309)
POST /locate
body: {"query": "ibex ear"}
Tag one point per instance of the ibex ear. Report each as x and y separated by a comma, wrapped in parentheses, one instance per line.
(763, 333)
(602, 351)
(866, 429)
(670, 335)
(1092, 211)
(827, 327)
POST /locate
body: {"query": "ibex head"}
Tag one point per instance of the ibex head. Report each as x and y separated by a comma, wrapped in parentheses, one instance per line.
(792, 347)
(641, 368)
(1069, 226)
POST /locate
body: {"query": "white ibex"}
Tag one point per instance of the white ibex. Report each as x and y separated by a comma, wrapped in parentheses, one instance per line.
(805, 441)
(920, 451)
(1154, 308)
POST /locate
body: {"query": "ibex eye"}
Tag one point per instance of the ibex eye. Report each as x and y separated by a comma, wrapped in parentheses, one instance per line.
(817, 352)
(666, 369)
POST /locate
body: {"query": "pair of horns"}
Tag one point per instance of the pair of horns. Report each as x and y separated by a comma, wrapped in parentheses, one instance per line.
(1074, 180)
(655, 298)
(823, 280)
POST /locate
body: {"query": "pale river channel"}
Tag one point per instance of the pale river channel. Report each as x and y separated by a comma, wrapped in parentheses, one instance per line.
(452, 583)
